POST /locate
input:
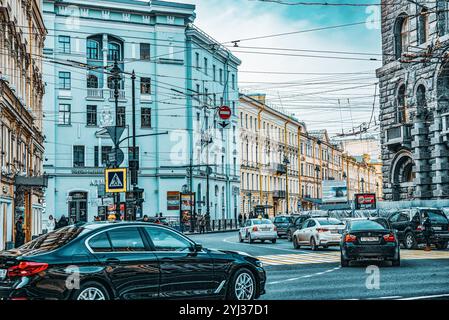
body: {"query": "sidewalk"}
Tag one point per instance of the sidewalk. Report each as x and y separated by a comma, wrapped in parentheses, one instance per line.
(212, 231)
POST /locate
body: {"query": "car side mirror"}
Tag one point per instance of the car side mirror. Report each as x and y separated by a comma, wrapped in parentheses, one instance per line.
(197, 247)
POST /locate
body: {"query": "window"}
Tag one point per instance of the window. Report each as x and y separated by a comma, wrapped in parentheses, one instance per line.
(221, 75)
(64, 44)
(145, 51)
(145, 114)
(93, 49)
(233, 81)
(96, 156)
(92, 81)
(421, 97)
(400, 105)
(442, 20)
(197, 60)
(114, 51)
(105, 151)
(121, 116)
(64, 114)
(64, 80)
(214, 72)
(91, 115)
(145, 85)
(401, 36)
(205, 66)
(100, 243)
(126, 239)
(78, 156)
(423, 26)
(166, 240)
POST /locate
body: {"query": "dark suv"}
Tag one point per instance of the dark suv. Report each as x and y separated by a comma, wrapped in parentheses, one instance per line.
(408, 224)
(282, 224)
(295, 225)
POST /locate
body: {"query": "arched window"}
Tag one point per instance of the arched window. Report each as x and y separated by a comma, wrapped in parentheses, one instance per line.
(114, 51)
(401, 36)
(111, 83)
(93, 49)
(92, 81)
(400, 105)
(423, 26)
(421, 97)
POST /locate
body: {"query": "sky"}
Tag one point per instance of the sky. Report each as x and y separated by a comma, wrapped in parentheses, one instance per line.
(322, 92)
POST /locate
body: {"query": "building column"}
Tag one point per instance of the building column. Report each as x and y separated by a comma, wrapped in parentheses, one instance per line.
(420, 149)
(440, 154)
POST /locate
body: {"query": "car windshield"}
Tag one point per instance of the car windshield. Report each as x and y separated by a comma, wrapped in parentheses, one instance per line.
(52, 240)
(436, 216)
(281, 219)
(330, 222)
(366, 225)
(261, 221)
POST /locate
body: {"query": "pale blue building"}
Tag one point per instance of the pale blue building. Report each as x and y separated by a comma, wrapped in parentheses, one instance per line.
(182, 75)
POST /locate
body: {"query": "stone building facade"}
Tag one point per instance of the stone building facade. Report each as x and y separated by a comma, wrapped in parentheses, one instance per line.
(22, 35)
(414, 100)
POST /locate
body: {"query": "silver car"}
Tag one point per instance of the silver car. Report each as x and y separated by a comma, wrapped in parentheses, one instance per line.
(317, 232)
(258, 229)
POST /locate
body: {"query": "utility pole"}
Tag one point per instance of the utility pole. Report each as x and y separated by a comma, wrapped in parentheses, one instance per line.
(115, 71)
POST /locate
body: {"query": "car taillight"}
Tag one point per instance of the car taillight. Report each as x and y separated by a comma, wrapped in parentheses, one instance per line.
(275, 229)
(322, 230)
(26, 269)
(420, 228)
(350, 238)
(255, 229)
(389, 238)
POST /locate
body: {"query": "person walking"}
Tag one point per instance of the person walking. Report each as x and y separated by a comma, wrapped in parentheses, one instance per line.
(146, 219)
(240, 219)
(51, 224)
(203, 225)
(20, 234)
(427, 232)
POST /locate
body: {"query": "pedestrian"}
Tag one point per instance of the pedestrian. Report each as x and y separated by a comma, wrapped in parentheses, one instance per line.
(203, 225)
(240, 219)
(62, 222)
(51, 224)
(427, 232)
(146, 219)
(244, 218)
(20, 234)
(199, 218)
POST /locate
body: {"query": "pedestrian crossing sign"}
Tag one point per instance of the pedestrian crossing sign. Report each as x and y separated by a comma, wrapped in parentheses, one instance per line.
(115, 180)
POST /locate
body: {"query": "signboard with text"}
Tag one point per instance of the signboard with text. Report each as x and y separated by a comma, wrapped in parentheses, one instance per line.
(365, 201)
(173, 200)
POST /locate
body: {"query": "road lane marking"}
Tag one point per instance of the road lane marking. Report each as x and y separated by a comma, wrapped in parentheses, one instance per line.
(426, 297)
(305, 276)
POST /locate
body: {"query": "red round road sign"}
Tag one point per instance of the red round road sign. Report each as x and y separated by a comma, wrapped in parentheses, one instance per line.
(224, 112)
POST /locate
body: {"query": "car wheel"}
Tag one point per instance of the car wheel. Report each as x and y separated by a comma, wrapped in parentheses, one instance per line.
(410, 241)
(240, 237)
(289, 235)
(442, 245)
(91, 291)
(313, 245)
(242, 285)
(273, 241)
(344, 262)
(263, 241)
(295, 243)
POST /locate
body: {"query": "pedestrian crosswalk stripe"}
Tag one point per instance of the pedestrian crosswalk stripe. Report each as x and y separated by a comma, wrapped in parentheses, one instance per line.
(333, 257)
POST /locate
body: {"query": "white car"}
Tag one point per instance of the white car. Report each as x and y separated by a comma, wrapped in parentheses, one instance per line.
(258, 229)
(317, 232)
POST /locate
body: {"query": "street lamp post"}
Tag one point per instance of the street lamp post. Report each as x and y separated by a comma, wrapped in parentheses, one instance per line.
(286, 163)
(362, 182)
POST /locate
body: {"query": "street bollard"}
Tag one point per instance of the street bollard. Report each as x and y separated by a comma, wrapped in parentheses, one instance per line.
(219, 225)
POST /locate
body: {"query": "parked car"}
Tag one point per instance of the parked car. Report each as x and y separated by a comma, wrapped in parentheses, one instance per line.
(369, 239)
(408, 224)
(132, 260)
(317, 232)
(283, 223)
(295, 225)
(258, 229)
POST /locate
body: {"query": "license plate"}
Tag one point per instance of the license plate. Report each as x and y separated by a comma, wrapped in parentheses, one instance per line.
(334, 231)
(436, 228)
(369, 239)
(265, 229)
(3, 273)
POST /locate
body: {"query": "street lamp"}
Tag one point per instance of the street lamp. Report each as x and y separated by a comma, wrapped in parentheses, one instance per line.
(362, 181)
(317, 169)
(286, 163)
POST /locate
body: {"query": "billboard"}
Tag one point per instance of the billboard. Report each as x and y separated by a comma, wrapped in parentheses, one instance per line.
(334, 191)
(365, 201)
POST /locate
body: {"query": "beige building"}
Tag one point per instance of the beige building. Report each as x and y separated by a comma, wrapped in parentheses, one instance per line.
(283, 165)
(22, 35)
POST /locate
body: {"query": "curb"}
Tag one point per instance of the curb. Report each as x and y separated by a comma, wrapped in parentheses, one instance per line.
(217, 231)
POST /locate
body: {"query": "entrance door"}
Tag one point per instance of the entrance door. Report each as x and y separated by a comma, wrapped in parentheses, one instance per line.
(78, 207)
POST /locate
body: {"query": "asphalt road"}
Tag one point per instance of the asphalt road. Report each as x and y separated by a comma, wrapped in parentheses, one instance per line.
(306, 275)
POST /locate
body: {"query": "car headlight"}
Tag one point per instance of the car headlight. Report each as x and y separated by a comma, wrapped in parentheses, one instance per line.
(259, 263)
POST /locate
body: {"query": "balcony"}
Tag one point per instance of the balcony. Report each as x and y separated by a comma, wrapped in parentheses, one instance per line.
(279, 194)
(278, 168)
(95, 93)
(121, 94)
(399, 135)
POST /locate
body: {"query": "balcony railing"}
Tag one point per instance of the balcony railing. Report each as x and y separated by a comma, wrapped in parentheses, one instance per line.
(278, 168)
(121, 94)
(95, 93)
(279, 194)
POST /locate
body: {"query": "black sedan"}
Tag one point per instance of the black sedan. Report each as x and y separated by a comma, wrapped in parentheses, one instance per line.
(369, 239)
(105, 261)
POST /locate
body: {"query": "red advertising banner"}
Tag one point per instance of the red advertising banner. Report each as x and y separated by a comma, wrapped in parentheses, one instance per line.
(365, 201)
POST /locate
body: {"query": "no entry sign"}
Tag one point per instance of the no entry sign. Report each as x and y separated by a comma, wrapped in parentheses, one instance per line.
(224, 112)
